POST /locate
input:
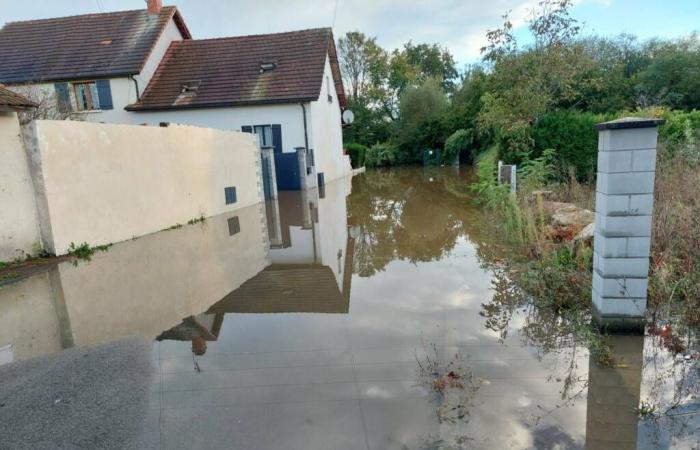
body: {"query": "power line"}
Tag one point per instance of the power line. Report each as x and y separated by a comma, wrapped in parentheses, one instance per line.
(99, 6)
(335, 12)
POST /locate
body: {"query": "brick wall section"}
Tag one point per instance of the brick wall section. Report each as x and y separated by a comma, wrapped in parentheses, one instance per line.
(624, 201)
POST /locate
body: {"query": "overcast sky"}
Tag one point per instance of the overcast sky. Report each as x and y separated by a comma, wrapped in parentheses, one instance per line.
(459, 25)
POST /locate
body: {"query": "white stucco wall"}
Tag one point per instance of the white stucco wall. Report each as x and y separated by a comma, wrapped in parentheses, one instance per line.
(105, 183)
(19, 225)
(326, 132)
(289, 116)
(170, 33)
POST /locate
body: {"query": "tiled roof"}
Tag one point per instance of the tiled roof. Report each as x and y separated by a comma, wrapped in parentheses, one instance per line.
(227, 71)
(78, 47)
(9, 99)
(286, 289)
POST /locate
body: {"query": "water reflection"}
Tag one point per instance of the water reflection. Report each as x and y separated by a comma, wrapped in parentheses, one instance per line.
(380, 321)
(199, 272)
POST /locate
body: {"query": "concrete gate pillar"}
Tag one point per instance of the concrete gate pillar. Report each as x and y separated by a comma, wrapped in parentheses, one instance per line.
(624, 200)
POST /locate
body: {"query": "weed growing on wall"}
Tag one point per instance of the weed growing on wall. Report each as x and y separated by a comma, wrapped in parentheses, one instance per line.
(84, 251)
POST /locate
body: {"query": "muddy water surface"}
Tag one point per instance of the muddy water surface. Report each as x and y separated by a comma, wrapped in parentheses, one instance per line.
(360, 316)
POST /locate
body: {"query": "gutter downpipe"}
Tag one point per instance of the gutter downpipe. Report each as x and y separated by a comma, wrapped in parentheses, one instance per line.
(306, 136)
(136, 84)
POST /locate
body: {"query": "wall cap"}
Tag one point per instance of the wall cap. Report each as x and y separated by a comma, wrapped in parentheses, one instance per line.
(630, 122)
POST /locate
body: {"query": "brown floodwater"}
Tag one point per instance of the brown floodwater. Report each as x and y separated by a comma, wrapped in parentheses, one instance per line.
(372, 314)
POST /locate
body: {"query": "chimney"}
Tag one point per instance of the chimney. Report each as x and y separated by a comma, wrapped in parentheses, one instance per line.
(154, 6)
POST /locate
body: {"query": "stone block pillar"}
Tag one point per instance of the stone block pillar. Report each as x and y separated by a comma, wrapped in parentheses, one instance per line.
(624, 200)
(269, 172)
(307, 172)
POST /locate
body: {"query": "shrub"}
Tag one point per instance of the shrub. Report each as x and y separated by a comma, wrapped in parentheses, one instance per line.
(574, 137)
(379, 155)
(357, 154)
(459, 142)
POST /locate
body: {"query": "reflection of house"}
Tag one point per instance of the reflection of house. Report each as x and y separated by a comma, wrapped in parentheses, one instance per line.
(138, 287)
(302, 288)
(310, 270)
(196, 329)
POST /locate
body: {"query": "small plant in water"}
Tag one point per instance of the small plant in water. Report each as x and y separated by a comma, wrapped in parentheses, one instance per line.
(453, 384)
(646, 410)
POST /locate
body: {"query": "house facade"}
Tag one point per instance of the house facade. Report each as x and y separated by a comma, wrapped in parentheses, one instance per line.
(90, 67)
(143, 67)
(284, 87)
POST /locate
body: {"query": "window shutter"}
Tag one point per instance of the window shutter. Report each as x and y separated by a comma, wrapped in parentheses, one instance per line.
(247, 129)
(62, 97)
(104, 94)
(277, 138)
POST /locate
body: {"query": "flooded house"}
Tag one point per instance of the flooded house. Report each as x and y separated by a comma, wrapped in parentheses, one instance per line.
(144, 67)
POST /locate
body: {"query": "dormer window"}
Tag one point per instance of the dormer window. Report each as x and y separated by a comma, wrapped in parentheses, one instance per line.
(190, 87)
(188, 91)
(267, 66)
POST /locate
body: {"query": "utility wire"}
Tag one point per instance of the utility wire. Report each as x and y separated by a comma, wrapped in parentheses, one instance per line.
(335, 12)
(99, 6)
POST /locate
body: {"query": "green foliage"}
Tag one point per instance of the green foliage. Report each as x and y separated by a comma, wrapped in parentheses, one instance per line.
(490, 194)
(195, 220)
(380, 155)
(574, 137)
(459, 142)
(84, 251)
(671, 79)
(535, 173)
(421, 122)
(357, 154)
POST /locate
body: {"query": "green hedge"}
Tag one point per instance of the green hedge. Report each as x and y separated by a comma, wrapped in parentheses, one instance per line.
(574, 137)
(384, 154)
(458, 143)
(357, 154)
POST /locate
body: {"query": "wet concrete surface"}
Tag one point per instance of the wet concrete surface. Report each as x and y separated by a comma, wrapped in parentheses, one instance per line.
(325, 322)
(82, 398)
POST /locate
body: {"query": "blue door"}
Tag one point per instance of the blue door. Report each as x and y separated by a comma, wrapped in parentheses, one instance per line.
(287, 168)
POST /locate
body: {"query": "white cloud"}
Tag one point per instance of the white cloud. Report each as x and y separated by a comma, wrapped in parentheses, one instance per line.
(460, 25)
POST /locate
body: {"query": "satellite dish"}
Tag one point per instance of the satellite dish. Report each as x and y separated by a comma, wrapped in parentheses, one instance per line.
(348, 117)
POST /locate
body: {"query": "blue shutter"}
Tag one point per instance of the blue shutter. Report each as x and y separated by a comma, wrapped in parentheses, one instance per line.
(247, 129)
(104, 94)
(277, 138)
(62, 97)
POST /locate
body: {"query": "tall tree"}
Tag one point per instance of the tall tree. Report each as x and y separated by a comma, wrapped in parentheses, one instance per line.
(363, 64)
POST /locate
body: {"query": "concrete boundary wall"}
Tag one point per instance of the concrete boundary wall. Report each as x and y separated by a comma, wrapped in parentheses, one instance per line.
(19, 224)
(105, 183)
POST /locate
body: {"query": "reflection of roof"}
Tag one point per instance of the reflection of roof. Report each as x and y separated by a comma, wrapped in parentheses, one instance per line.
(90, 45)
(287, 288)
(190, 327)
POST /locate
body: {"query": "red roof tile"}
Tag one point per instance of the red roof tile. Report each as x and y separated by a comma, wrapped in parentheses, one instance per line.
(228, 71)
(78, 47)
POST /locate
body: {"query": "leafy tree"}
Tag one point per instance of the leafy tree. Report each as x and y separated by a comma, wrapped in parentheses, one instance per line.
(363, 64)
(673, 75)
